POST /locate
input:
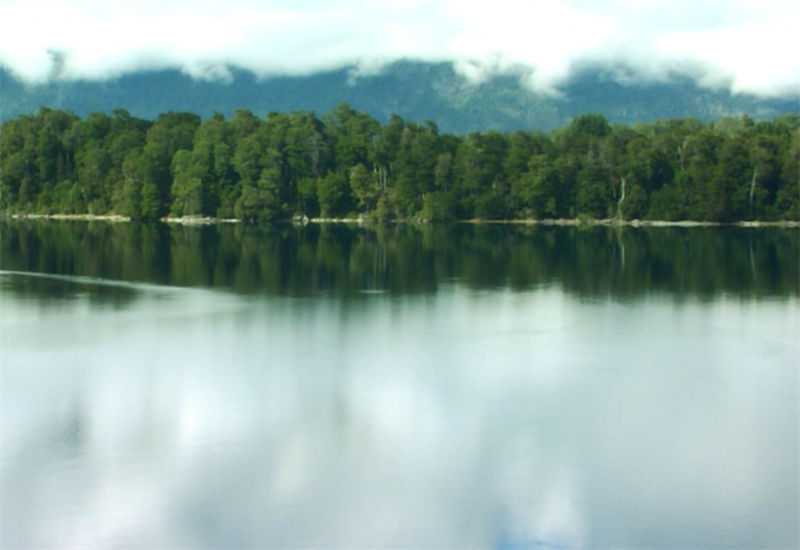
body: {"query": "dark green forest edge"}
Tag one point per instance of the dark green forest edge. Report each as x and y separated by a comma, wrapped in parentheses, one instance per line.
(348, 165)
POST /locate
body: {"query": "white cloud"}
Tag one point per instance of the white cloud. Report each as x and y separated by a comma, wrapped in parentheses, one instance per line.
(749, 46)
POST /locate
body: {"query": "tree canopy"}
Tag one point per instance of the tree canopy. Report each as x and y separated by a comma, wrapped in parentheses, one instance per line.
(347, 164)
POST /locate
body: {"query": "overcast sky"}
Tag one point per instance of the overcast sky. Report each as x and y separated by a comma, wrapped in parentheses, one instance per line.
(749, 46)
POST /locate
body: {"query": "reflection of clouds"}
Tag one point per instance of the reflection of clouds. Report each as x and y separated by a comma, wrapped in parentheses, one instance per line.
(123, 508)
(469, 422)
(294, 468)
(540, 494)
(398, 411)
(557, 520)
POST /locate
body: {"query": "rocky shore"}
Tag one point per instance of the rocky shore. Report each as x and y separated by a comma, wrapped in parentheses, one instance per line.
(302, 220)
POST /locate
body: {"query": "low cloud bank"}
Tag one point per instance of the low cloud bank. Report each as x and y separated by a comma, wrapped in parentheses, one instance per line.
(743, 46)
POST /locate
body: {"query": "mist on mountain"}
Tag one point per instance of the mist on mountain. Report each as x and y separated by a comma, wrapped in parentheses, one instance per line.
(417, 91)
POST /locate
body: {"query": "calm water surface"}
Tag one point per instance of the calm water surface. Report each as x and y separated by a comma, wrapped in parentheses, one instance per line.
(402, 387)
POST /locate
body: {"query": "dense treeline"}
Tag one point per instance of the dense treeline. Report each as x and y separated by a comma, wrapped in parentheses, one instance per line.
(404, 259)
(347, 164)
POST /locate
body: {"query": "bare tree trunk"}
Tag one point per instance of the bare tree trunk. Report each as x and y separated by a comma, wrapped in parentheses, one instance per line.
(380, 176)
(621, 198)
(753, 190)
(682, 152)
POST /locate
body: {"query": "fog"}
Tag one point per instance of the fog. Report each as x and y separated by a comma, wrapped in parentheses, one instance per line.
(743, 46)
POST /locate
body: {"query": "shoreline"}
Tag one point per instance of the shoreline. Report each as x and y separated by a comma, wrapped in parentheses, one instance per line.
(203, 220)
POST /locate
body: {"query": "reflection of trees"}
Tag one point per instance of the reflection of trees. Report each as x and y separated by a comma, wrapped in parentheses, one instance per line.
(403, 259)
(55, 291)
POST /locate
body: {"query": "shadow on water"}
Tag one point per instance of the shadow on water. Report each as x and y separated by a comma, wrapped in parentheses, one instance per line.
(354, 262)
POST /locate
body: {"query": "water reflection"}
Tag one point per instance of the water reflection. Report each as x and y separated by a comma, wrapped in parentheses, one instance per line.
(492, 419)
(54, 291)
(353, 262)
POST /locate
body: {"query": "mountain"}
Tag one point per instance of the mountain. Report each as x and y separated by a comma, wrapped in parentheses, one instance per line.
(414, 90)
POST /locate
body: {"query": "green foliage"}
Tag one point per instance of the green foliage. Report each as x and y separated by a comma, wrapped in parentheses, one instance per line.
(333, 193)
(347, 164)
(594, 191)
(667, 204)
(365, 189)
(187, 188)
(634, 206)
(438, 206)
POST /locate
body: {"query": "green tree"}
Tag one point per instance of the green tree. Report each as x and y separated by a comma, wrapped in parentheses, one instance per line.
(187, 186)
(364, 188)
(333, 194)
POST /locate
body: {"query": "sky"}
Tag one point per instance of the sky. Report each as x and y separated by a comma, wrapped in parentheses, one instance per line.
(746, 46)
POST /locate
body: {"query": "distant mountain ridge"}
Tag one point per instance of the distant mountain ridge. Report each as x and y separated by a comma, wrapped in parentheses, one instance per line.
(414, 90)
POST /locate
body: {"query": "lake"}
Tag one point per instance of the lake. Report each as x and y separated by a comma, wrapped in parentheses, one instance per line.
(398, 387)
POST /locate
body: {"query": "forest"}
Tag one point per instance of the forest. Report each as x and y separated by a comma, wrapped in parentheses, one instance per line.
(346, 164)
